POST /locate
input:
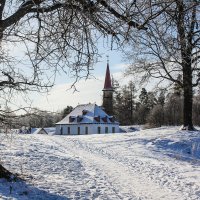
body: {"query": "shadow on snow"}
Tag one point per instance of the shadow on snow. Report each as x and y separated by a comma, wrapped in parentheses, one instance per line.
(23, 191)
(182, 146)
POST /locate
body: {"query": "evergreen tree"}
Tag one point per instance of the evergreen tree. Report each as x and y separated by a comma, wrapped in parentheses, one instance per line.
(143, 96)
(66, 111)
(161, 97)
(147, 100)
(124, 103)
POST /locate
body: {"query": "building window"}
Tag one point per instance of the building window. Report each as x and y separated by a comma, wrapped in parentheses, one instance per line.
(84, 112)
(104, 119)
(113, 129)
(61, 130)
(106, 129)
(79, 118)
(97, 118)
(68, 130)
(86, 130)
(71, 119)
(79, 130)
(99, 129)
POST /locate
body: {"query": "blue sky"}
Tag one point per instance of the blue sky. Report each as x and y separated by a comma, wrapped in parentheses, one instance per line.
(104, 48)
(89, 91)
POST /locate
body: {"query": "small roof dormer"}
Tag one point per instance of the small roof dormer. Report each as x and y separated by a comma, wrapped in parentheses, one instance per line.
(87, 114)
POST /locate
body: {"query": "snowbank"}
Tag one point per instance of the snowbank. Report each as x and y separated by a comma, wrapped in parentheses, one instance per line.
(158, 164)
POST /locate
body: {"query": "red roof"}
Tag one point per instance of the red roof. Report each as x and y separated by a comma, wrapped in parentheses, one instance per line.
(107, 84)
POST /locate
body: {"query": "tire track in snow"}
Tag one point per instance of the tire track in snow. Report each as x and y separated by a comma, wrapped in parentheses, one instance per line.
(130, 183)
(54, 170)
(103, 171)
(98, 182)
(162, 175)
(101, 188)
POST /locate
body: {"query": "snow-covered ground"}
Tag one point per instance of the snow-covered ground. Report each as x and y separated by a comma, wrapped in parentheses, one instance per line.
(157, 164)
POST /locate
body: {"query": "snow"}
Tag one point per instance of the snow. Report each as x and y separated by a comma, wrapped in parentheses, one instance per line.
(50, 130)
(40, 131)
(92, 110)
(156, 164)
(127, 129)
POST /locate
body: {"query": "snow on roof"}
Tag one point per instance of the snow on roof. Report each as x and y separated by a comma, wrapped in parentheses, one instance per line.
(37, 131)
(33, 130)
(86, 113)
(50, 130)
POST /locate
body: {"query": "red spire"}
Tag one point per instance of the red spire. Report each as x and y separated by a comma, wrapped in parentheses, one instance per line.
(108, 84)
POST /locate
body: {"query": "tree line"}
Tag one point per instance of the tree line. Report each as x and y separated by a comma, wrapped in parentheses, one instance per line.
(35, 119)
(130, 106)
(151, 108)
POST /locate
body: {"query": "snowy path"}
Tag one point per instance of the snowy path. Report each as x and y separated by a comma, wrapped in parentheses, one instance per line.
(101, 167)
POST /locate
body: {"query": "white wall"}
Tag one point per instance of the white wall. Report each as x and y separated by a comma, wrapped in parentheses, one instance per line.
(92, 128)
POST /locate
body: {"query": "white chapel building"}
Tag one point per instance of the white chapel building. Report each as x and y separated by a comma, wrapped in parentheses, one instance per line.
(90, 118)
(87, 119)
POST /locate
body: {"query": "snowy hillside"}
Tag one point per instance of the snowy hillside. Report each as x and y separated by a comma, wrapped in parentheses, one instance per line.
(148, 164)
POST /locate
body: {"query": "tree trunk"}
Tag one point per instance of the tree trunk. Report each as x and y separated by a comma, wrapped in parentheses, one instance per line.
(4, 173)
(186, 54)
(1, 34)
(188, 99)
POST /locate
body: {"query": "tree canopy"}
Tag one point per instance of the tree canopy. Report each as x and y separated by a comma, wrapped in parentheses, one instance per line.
(40, 38)
(169, 48)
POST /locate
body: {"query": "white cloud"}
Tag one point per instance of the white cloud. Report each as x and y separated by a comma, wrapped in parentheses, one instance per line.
(61, 95)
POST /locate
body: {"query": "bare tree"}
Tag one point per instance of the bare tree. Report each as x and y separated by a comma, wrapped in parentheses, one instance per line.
(170, 46)
(50, 35)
